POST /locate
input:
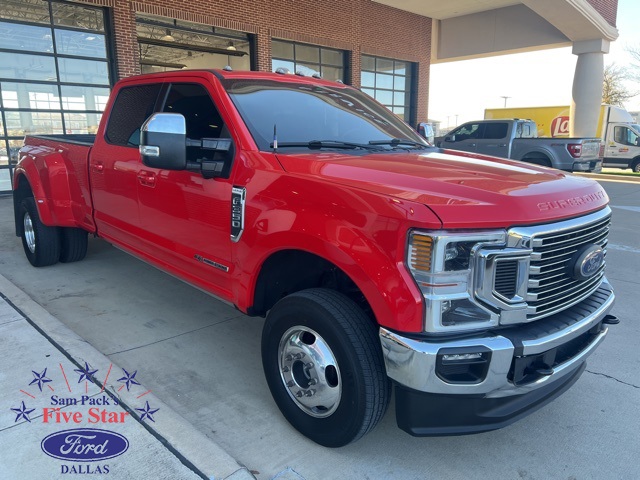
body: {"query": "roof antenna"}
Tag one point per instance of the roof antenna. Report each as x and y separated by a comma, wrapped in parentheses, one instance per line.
(275, 139)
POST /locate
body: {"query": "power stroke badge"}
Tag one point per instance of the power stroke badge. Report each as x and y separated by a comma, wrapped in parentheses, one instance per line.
(238, 197)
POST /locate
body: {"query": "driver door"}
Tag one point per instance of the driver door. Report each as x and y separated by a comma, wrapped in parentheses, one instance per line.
(186, 218)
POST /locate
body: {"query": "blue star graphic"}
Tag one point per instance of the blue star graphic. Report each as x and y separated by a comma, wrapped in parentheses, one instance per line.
(147, 412)
(40, 378)
(129, 379)
(85, 373)
(23, 413)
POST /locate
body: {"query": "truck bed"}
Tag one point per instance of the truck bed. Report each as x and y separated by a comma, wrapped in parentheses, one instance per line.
(86, 139)
(66, 158)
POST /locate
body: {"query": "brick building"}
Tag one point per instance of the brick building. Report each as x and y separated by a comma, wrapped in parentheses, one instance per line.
(58, 58)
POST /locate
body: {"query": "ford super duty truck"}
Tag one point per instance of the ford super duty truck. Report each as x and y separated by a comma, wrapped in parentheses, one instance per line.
(518, 139)
(473, 285)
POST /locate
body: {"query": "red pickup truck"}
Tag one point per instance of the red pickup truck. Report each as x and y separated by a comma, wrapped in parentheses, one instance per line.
(474, 285)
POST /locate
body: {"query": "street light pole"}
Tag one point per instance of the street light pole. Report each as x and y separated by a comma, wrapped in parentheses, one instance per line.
(505, 100)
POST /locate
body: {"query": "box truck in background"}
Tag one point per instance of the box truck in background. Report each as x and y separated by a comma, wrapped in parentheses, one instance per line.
(620, 134)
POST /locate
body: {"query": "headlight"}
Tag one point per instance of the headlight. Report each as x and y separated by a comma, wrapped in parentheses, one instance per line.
(441, 264)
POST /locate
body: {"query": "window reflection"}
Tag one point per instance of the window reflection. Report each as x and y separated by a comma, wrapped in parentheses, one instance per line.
(81, 44)
(14, 36)
(389, 82)
(83, 71)
(27, 67)
(84, 98)
(307, 59)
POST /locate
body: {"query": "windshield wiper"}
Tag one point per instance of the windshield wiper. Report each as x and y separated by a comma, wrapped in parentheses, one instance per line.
(319, 144)
(396, 142)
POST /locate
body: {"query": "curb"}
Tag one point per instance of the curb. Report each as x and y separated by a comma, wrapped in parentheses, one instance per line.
(195, 450)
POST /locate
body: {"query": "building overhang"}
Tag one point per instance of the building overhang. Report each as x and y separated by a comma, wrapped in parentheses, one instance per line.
(465, 29)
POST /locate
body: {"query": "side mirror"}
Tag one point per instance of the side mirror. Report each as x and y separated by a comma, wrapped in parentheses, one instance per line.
(426, 131)
(451, 138)
(163, 141)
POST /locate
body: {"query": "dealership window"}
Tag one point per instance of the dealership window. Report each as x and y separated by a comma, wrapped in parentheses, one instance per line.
(55, 73)
(171, 44)
(308, 59)
(391, 83)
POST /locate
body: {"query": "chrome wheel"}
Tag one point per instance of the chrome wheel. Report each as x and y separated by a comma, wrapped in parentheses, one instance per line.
(309, 371)
(29, 234)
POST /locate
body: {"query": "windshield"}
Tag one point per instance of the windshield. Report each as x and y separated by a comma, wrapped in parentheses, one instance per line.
(303, 113)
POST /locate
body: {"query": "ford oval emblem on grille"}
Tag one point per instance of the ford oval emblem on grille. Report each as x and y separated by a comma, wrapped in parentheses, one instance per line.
(84, 445)
(588, 262)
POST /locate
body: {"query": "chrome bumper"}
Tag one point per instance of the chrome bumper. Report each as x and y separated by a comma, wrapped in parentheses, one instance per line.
(412, 363)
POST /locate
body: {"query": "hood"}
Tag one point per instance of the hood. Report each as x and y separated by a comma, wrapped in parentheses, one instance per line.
(464, 190)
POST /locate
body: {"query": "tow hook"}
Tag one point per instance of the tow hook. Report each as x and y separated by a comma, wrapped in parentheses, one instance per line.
(611, 320)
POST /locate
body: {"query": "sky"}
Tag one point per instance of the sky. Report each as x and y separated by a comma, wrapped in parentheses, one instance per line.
(460, 91)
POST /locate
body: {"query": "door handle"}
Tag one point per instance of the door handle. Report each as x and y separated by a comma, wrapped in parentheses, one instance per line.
(472, 144)
(98, 167)
(148, 179)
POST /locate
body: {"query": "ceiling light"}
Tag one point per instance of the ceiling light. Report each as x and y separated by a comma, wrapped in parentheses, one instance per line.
(168, 37)
(231, 47)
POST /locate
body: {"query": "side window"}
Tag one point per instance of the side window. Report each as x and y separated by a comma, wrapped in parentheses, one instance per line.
(131, 108)
(467, 131)
(527, 130)
(201, 115)
(619, 134)
(495, 131)
(632, 138)
(202, 120)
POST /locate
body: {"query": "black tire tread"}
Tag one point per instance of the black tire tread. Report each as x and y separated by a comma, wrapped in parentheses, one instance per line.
(47, 251)
(74, 242)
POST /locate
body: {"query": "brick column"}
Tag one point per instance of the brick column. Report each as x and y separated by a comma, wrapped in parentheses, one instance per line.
(126, 41)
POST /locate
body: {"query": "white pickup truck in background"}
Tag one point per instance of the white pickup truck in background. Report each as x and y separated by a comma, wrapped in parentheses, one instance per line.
(518, 140)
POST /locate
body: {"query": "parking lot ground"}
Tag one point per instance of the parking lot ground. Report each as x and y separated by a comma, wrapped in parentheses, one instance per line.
(41, 360)
(202, 358)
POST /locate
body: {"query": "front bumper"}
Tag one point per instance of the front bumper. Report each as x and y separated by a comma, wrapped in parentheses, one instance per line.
(529, 365)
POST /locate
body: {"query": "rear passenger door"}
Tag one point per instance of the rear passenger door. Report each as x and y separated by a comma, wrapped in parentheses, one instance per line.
(114, 165)
(494, 140)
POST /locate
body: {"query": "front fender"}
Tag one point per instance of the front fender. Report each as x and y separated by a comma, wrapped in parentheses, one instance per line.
(362, 233)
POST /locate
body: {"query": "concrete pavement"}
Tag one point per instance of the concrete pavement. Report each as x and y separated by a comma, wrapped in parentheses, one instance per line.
(54, 381)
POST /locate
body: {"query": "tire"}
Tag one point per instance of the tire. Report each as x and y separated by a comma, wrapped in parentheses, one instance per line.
(323, 363)
(41, 243)
(636, 166)
(74, 242)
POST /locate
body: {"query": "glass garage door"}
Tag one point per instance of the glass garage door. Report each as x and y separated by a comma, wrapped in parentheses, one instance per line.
(55, 73)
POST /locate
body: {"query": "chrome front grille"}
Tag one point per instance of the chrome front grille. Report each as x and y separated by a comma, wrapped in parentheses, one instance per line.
(551, 285)
(543, 269)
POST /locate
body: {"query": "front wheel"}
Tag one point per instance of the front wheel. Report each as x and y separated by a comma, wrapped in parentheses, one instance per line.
(636, 166)
(323, 362)
(41, 243)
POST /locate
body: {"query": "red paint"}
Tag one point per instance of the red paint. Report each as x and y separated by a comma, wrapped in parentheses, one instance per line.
(352, 211)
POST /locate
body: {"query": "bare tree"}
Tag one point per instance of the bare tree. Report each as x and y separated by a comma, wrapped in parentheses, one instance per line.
(614, 90)
(634, 51)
